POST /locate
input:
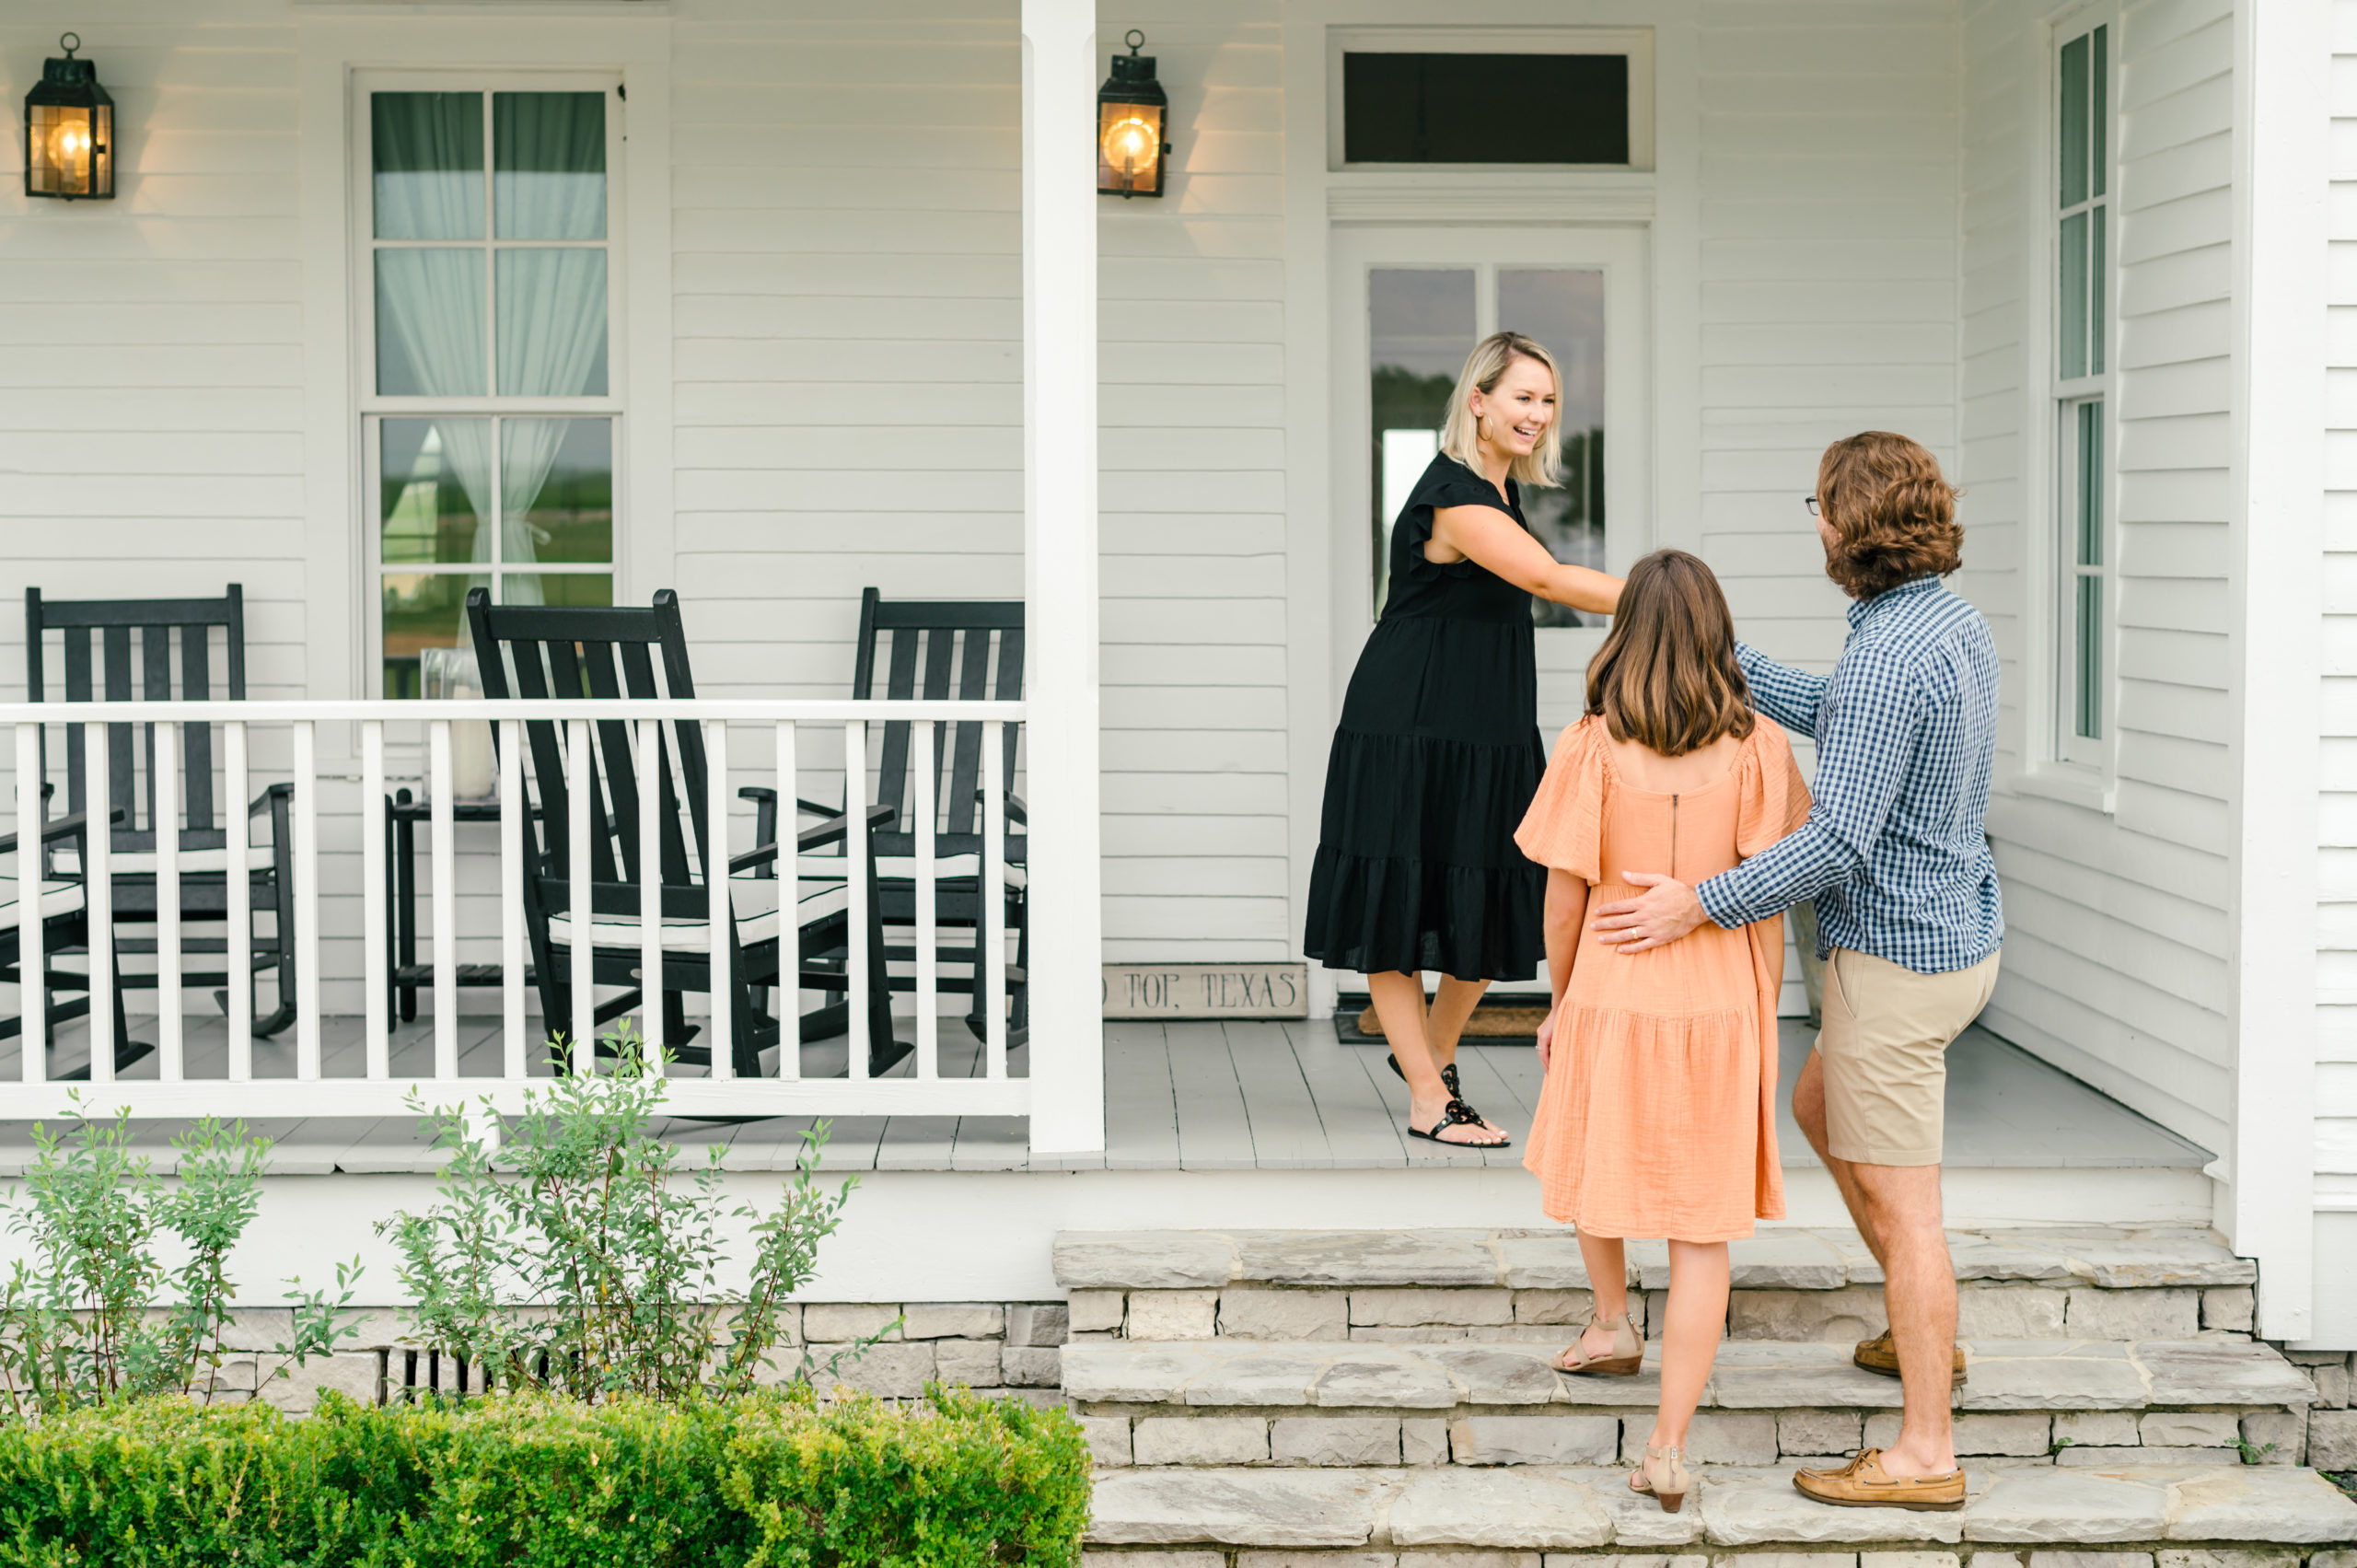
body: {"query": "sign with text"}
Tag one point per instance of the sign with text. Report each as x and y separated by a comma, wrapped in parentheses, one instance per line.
(1206, 990)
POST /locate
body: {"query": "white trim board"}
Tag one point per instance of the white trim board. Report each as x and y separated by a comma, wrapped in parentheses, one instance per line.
(987, 1236)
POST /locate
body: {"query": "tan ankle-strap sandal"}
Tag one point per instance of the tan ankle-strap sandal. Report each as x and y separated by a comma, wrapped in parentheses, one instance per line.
(1628, 1357)
(1662, 1478)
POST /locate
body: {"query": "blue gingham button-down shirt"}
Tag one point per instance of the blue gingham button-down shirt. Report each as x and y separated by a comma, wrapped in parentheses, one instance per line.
(1893, 851)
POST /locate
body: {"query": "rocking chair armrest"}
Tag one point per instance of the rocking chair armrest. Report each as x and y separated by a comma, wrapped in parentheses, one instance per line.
(1016, 810)
(282, 790)
(764, 795)
(64, 828)
(836, 828)
(760, 855)
(826, 832)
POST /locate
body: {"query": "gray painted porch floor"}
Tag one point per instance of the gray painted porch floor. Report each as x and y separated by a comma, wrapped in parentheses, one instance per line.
(1177, 1096)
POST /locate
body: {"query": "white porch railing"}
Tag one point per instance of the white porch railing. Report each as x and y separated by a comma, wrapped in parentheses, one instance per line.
(380, 1092)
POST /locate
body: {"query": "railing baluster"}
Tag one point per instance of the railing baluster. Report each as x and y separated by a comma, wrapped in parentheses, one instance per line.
(787, 997)
(439, 783)
(715, 879)
(376, 966)
(856, 841)
(650, 886)
(306, 902)
(920, 818)
(170, 1062)
(239, 969)
(991, 953)
(581, 782)
(31, 961)
(98, 899)
(367, 1086)
(514, 813)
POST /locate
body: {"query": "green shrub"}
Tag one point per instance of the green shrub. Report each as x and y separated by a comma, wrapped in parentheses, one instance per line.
(581, 1255)
(764, 1480)
(96, 1314)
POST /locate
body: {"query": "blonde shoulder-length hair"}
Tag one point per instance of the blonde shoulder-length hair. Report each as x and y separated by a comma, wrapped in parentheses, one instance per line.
(1460, 436)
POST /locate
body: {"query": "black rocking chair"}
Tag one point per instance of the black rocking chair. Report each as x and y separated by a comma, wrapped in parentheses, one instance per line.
(954, 642)
(147, 673)
(551, 651)
(65, 922)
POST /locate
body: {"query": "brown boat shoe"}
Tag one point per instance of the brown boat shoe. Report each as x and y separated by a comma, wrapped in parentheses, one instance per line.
(1861, 1483)
(1879, 1354)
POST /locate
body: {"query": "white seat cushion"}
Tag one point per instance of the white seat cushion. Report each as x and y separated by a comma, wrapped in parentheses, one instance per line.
(818, 900)
(56, 898)
(142, 862)
(904, 868)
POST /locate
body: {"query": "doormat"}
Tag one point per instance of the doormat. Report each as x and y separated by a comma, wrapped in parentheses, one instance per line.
(1496, 1020)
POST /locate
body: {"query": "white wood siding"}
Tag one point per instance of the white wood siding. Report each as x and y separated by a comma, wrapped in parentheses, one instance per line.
(2336, 1081)
(1193, 496)
(1826, 279)
(151, 378)
(1821, 311)
(2115, 955)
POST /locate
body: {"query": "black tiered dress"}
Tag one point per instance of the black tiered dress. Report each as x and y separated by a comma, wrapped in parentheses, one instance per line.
(1434, 764)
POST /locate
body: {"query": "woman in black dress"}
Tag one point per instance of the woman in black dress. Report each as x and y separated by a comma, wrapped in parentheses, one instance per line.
(1438, 753)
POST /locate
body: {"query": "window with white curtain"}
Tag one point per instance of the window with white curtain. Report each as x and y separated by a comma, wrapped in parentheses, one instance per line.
(2080, 396)
(489, 395)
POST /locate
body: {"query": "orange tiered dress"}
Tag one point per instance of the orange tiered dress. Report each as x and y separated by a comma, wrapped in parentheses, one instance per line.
(1658, 1116)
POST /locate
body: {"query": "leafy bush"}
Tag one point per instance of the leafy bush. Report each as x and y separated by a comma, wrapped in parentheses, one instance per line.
(765, 1481)
(87, 1319)
(579, 1257)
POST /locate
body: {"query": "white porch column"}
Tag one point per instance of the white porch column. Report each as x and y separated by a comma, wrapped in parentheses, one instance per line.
(2281, 183)
(1059, 572)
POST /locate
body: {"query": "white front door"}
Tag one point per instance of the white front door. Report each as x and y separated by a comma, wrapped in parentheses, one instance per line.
(1408, 302)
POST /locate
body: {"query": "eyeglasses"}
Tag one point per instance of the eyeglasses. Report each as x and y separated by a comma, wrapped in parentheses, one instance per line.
(1810, 502)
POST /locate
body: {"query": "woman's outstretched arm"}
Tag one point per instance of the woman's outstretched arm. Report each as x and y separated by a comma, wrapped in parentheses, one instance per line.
(1493, 539)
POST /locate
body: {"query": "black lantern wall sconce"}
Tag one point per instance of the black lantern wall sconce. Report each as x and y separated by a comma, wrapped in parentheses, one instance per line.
(1132, 110)
(69, 130)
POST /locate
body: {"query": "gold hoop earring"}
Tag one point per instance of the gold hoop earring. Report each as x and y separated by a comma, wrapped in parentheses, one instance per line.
(1481, 427)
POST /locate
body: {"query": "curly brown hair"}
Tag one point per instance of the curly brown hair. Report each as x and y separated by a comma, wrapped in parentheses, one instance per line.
(1667, 676)
(1894, 513)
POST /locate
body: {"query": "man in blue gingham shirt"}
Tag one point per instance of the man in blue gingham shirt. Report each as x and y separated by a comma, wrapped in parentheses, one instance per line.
(1906, 730)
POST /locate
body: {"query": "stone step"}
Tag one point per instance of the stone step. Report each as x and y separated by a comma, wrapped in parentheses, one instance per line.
(2088, 1282)
(1372, 1514)
(2066, 1403)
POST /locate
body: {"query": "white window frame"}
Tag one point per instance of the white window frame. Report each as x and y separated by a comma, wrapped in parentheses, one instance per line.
(2070, 753)
(375, 407)
(1636, 43)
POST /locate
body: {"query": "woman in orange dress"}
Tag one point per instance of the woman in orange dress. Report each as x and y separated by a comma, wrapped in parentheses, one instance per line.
(1658, 1117)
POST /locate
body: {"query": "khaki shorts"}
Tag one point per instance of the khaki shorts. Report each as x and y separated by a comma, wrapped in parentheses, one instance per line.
(1883, 1051)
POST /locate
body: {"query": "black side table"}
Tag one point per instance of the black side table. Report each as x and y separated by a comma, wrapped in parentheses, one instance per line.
(403, 814)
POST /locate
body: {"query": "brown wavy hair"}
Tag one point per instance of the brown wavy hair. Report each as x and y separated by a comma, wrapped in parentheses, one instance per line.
(1895, 514)
(1666, 677)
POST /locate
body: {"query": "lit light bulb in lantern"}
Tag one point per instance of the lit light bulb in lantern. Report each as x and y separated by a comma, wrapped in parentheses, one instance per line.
(1130, 141)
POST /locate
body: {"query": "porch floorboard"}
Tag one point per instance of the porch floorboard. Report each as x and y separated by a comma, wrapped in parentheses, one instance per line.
(1194, 1096)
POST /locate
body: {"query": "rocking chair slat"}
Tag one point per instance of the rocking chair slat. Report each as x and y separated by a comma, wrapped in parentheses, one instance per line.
(196, 740)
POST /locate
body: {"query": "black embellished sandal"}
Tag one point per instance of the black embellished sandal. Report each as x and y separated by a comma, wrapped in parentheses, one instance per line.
(1448, 1077)
(1457, 1114)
